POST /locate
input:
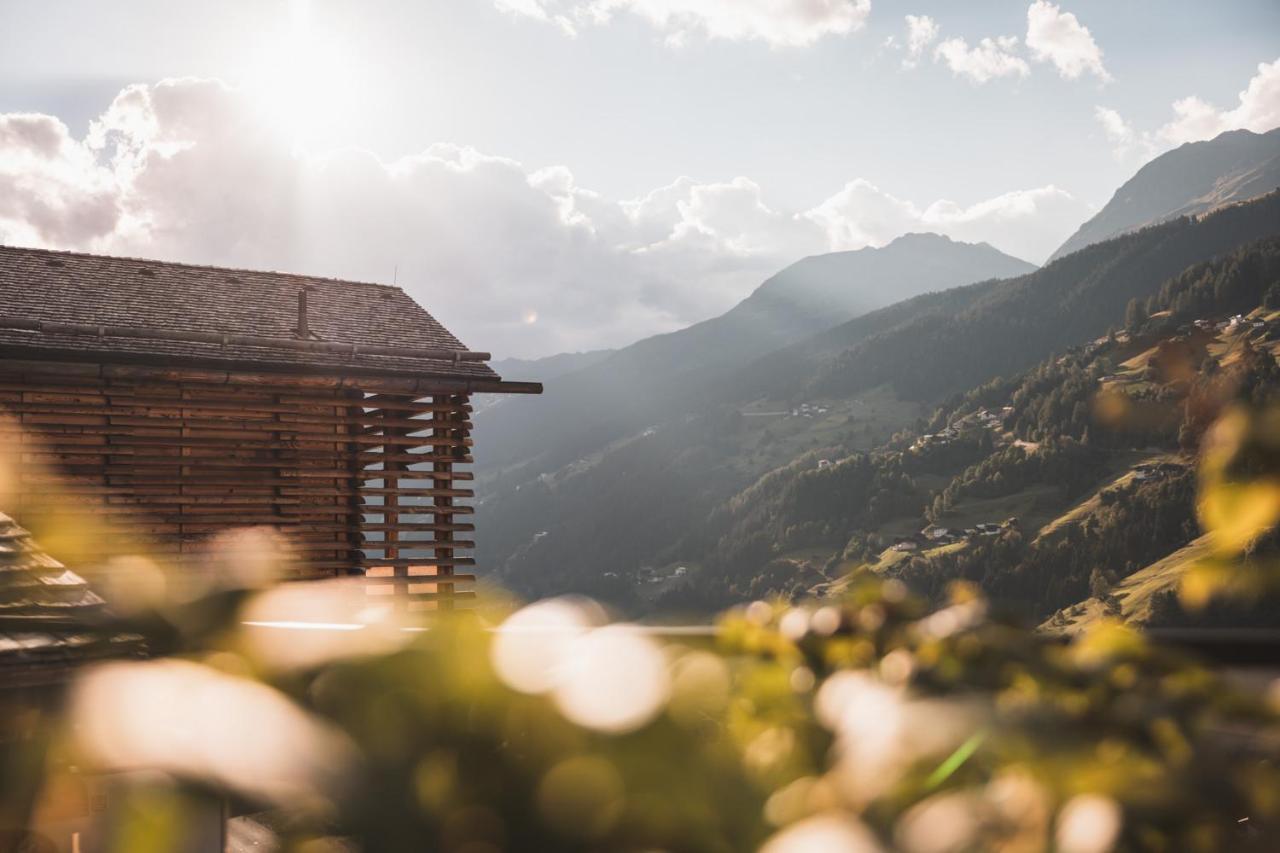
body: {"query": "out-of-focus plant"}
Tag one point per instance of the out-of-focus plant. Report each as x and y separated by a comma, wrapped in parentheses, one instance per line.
(1239, 507)
(954, 732)
(863, 724)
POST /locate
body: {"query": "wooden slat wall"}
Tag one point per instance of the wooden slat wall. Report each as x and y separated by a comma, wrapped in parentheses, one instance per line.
(416, 527)
(355, 481)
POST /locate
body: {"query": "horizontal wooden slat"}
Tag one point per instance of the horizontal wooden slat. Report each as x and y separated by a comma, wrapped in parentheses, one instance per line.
(148, 393)
(371, 457)
(414, 527)
(404, 580)
(404, 562)
(131, 437)
(164, 464)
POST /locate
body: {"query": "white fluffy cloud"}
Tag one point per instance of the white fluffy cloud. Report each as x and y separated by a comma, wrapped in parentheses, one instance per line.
(1025, 223)
(1127, 143)
(781, 23)
(51, 188)
(921, 32)
(519, 261)
(1258, 110)
(1058, 37)
(1194, 119)
(987, 60)
(1052, 36)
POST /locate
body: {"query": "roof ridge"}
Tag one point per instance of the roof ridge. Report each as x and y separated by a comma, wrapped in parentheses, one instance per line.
(212, 267)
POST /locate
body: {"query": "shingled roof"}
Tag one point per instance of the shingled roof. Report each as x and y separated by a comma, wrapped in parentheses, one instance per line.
(40, 289)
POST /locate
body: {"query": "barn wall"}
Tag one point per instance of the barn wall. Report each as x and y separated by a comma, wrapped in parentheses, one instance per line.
(352, 479)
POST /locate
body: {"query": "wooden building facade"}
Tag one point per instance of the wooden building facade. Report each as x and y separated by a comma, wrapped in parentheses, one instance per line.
(176, 401)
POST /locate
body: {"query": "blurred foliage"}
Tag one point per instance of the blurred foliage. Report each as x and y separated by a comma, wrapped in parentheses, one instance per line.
(1239, 506)
(872, 722)
(866, 724)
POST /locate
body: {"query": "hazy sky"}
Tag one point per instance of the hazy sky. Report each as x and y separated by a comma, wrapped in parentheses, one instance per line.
(561, 174)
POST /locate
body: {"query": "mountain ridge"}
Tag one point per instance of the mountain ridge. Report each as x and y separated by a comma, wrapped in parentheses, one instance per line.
(658, 376)
(1193, 178)
(655, 498)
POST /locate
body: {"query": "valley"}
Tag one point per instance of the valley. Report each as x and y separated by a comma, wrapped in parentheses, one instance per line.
(976, 431)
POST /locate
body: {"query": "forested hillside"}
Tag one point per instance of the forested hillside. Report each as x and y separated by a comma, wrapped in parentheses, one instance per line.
(619, 522)
(1046, 488)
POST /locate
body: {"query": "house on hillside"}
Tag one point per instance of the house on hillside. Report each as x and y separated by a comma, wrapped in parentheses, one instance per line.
(935, 533)
(169, 402)
(1155, 470)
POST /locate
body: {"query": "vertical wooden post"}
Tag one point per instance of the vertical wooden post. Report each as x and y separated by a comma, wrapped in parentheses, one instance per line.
(392, 471)
(355, 483)
(444, 551)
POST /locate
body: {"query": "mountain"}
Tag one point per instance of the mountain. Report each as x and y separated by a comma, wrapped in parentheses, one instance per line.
(1056, 485)
(940, 344)
(1235, 166)
(661, 377)
(551, 366)
(808, 295)
(701, 489)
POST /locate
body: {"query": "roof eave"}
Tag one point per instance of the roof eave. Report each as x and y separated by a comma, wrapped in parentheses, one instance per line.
(396, 380)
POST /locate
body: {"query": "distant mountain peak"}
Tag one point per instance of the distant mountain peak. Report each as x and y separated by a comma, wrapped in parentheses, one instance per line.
(922, 237)
(918, 239)
(1193, 178)
(856, 281)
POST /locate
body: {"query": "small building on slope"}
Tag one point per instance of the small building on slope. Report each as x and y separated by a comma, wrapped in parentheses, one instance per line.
(174, 401)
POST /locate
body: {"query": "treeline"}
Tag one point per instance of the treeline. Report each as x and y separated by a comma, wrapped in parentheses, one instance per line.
(1064, 463)
(1062, 404)
(1134, 525)
(803, 505)
(1235, 283)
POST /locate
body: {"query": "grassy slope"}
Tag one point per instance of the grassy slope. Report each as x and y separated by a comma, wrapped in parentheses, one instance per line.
(1120, 473)
(1130, 600)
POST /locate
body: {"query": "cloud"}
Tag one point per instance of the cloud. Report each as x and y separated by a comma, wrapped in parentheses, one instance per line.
(1059, 37)
(521, 261)
(780, 23)
(1194, 119)
(1126, 141)
(51, 189)
(989, 59)
(1024, 223)
(921, 32)
(1258, 110)
(539, 11)
(1052, 36)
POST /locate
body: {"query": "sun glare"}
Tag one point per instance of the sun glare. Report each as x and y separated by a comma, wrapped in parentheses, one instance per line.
(305, 82)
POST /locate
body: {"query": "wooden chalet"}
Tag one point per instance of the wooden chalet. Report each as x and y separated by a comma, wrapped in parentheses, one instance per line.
(176, 401)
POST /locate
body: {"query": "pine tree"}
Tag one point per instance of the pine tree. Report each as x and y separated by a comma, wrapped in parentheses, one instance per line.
(1134, 314)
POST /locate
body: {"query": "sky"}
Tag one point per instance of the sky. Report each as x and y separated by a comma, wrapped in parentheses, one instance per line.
(560, 175)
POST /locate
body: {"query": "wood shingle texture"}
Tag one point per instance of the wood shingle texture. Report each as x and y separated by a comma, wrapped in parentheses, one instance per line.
(40, 288)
